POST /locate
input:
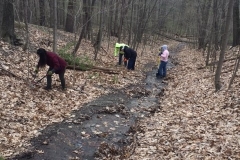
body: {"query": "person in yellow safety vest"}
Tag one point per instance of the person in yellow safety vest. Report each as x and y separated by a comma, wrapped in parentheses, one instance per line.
(119, 53)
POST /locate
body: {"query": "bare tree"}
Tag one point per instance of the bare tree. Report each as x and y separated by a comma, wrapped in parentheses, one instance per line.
(1, 17)
(236, 67)
(62, 9)
(25, 47)
(122, 15)
(145, 11)
(70, 16)
(204, 10)
(27, 34)
(97, 44)
(55, 27)
(131, 24)
(7, 28)
(42, 13)
(212, 45)
(224, 45)
(89, 11)
(236, 25)
(85, 18)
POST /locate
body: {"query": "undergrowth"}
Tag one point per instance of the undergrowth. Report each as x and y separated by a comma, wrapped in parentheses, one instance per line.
(83, 62)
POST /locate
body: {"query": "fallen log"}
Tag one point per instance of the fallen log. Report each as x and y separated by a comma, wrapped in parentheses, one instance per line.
(95, 69)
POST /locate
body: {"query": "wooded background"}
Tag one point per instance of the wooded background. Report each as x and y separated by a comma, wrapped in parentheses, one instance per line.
(210, 25)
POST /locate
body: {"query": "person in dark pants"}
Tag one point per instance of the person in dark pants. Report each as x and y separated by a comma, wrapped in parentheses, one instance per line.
(130, 55)
(56, 65)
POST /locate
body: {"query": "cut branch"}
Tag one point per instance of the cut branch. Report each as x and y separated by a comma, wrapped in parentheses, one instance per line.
(96, 69)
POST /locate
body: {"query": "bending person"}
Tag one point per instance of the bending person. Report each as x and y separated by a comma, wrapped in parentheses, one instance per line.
(56, 65)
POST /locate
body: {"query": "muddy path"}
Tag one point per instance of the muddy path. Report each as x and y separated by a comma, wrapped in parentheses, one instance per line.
(104, 127)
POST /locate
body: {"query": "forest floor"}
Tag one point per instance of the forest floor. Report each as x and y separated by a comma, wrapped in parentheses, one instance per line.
(102, 128)
(26, 110)
(130, 115)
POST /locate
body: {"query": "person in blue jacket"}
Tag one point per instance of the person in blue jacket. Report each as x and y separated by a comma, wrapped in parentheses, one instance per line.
(130, 55)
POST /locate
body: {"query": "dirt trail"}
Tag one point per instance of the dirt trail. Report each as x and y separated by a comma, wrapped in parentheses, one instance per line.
(103, 127)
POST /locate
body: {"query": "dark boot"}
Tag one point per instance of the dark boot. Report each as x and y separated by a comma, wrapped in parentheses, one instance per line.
(62, 79)
(47, 88)
(49, 83)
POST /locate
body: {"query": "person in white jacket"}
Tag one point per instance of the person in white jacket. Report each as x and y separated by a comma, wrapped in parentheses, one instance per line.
(162, 70)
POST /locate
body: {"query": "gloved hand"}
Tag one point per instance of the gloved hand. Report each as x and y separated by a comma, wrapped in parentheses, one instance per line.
(50, 73)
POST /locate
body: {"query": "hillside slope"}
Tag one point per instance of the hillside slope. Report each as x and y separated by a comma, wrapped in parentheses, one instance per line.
(195, 122)
(26, 110)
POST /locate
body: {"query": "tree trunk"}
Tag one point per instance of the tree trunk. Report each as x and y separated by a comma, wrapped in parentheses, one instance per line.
(61, 14)
(70, 14)
(216, 25)
(224, 45)
(51, 10)
(97, 44)
(236, 26)
(42, 13)
(223, 19)
(89, 20)
(121, 21)
(114, 32)
(235, 70)
(1, 17)
(55, 28)
(131, 25)
(7, 29)
(82, 34)
(110, 21)
(25, 47)
(203, 23)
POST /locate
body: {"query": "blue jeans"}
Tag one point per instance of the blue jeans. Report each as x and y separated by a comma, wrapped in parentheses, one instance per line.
(162, 70)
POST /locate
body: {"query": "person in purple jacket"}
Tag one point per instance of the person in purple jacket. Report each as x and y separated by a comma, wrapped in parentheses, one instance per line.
(56, 65)
(162, 70)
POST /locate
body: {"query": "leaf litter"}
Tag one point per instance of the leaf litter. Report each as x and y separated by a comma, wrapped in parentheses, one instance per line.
(195, 122)
(26, 111)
